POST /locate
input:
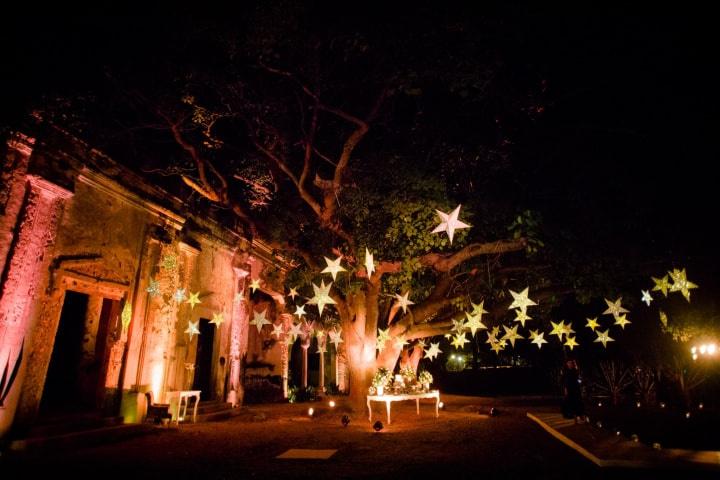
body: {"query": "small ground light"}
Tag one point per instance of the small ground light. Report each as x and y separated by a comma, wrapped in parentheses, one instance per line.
(599, 424)
(662, 404)
(493, 412)
(700, 406)
(617, 433)
(599, 404)
(687, 415)
(637, 404)
(311, 411)
(657, 446)
(332, 403)
(441, 405)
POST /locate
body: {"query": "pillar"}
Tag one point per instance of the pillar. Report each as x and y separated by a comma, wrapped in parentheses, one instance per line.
(238, 338)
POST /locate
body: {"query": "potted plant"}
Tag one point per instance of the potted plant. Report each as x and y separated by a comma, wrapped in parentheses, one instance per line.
(426, 379)
(381, 378)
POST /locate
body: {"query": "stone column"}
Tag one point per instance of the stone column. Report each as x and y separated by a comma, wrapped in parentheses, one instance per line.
(26, 270)
(285, 353)
(238, 338)
(322, 342)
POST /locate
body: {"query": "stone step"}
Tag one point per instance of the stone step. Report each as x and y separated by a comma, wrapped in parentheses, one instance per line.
(55, 426)
(220, 415)
(80, 439)
(212, 407)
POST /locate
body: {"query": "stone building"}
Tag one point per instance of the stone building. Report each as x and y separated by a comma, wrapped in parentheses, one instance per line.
(104, 279)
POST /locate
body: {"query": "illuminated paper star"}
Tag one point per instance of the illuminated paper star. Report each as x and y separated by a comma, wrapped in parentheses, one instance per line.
(403, 302)
(449, 223)
(399, 341)
(497, 346)
(293, 293)
(322, 296)
(421, 343)
(239, 297)
(126, 316)
(217, 319)
(474, 323)
(661, 285)
(179, 295)
(369, 263)
(567, 329)
(537, 338)
(622, 321)
(615, 308)
(521, 316)
(681, 283)
(319, 333)
(193, 300)
(592, 323)
(478, 309)
(492, 337)
(383, 336)
(495, 330)
(570, 342)
(521, 300)
(663, 318)
(153, 288)
(296, 330)
(333, 267)
(277, 330)
(192, 329)
(254, 284)
(558, 329)
(259, 320)
(458, 325)
(335, 338)
(646, 297)
(321, 349)
(459, 341)
(511, 335)
(169, 262)
(603, 337)
(433, 351)
(300, 311)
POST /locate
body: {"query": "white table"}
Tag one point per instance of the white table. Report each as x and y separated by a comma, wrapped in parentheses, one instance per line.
(178, 401)
(388, 399)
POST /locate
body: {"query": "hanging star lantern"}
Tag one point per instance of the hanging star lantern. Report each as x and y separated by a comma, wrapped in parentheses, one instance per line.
(126, 316)
(622, 321)
(592, 323)
(603, 337)
(511, 335)
(458, 325)
(459, 340)
(254, 284)
(521, 316)
(432, 352)
(478, 309)
(321, 349)
(521, 300)
(192, 329)
(615, 308)
(319, 333)
(663, 318)
(259, 320)
(169, 262)
(193, 300)
(293, 293)
(474, 323)
(661, 285)
(497, 346)
(153, 288)
(399, 341)
(681, 283)
(495, 331)
(179, 295)
(558, 329)
(333, 267)
(322, 296)
(383, 336)
(335, 338)
(277, 330)
(403, 302)
(570, 342)
(492, 336)
(239, 297)
(369, 263)
(300, 311)
(296, 330)
(449, 223)
(646, 297)
(537, 338)
(567, 329)
(218, 319)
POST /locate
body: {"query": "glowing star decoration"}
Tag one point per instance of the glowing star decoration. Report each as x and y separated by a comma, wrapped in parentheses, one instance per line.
(319, 333)
(322, 296)
(474, 323)
(622, 321)
(192, 329)
(567, 329)
(663, 318)
(646, 297)
(449, 223)
(661, 285)
(521, 300)
(497, 346)
(218, 319)
(459, 341)
(432, 352)
(300, 311)
(193, 300)
(369, 263)
(335, 338)
(383, 336)
(615, 308)
(321, 349)
(592, 323)
(558, 329)
(421, 343)
(333, 267)
(296, 330)
(603, 337)
(537, 338)
(511, 335)
(495, 331)
(126, 316)
(169, 262)
(399, 341)
(458, 325)
(478, 309)
(277, 330)
(403, 302)
(293, 293)
(153, 288)
(570, 342)
(254, 284)
(179, 295)
(681, 283)
(259, 320)
(492, 337)
(239, 297)
(521, 316)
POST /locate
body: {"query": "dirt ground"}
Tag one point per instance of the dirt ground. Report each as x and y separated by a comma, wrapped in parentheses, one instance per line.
(465, 442)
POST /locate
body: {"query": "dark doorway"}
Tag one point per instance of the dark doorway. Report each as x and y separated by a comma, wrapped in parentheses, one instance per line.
(203, 359)
(62, 392)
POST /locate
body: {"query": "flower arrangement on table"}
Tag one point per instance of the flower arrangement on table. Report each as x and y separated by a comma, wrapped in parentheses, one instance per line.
(425, 378)
(381, 379)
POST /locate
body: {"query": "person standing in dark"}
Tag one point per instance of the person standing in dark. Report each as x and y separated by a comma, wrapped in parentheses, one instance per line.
(572, 396)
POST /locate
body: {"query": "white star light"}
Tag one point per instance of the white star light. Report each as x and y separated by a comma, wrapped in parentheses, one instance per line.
(296, 330)
(615, 308)
(277, 330)
(192, 329)
(218, 318)
(521, 300)
(646, 297)
(254, 284)
(449, 223)
(179, 295)
(333, 267)
(322, 296)
(300, 311)
(403, 301)
(335, 338)
(259, 320)
(293, 293)
(369, 263)
(433, 351)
